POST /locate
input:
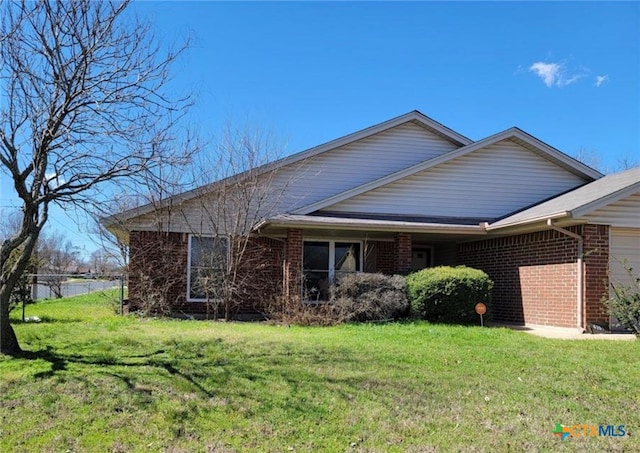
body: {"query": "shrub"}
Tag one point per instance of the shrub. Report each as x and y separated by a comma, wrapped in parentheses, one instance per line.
(370, 297)
(624, 301)
(448, 294)
(356, 298)
(293, 310)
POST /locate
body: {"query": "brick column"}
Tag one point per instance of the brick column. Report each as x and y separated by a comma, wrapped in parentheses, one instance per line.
(596, 279)
(293, 262)
(402, 246)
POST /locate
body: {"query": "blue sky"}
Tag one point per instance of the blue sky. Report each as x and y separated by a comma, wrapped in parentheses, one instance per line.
(316, 71)
(567, 73)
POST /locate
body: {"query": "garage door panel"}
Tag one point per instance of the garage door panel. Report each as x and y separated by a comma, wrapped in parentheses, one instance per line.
(624, 250)
(625, 247)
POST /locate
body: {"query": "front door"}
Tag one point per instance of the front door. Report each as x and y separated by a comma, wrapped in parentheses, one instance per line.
(420, 258)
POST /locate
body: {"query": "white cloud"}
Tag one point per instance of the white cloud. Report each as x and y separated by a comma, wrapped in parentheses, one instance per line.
(601, 79)
(555, 74)
(548, 72)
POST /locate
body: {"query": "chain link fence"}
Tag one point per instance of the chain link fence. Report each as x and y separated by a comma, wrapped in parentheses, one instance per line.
(51, 286)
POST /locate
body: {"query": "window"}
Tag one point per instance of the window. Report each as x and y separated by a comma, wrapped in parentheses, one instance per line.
(325, 261)
(206, 268)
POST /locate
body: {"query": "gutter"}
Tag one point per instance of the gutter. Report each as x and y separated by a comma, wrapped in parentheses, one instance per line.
(383, 225)
(579, 266)
(527, 222)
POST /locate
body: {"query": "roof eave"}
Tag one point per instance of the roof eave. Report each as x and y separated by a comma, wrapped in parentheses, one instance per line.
(569, 162)
(533, 220)
(381, 226)
(606, 200)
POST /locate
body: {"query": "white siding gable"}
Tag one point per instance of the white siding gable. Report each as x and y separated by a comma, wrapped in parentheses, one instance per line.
(488, 183)
(315, 178)
(357, 163)
(622, 213)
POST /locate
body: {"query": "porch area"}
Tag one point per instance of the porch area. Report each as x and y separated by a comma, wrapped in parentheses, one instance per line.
(319, 249)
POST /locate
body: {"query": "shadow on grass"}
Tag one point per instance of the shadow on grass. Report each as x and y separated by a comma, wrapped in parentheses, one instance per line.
(60, 363)
(212, 370)
(57, 362)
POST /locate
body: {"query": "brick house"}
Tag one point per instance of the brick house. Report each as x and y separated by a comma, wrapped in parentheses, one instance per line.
(406, 194)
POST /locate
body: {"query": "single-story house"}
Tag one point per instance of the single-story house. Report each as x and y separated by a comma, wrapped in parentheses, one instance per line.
(399, 196)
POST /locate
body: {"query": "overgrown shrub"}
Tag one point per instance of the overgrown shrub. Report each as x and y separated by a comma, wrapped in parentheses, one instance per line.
(624, 301)
(448, 294)
(293, 310)
(357, 297)
(370, 297)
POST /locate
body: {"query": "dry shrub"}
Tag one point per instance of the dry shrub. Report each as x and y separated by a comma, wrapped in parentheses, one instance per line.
(293, 310)
(356, 298)
(370, 297)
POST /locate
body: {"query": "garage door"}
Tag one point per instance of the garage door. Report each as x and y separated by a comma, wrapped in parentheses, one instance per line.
(624, 246)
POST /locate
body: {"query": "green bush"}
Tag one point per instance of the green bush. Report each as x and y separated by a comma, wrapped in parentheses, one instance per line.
(370, 297)
(448, 294)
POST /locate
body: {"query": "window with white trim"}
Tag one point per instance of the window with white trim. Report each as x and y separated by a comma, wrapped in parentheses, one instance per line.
(206, 267)
(325, 261)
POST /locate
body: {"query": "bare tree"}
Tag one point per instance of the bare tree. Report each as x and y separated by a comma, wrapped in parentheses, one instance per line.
(589, 157)
(114, 247)
(627, 162)
(230, 263)
(84, 104)
(57, 257)
(9, 224)
(21, 293)
(594, 160)
(103, 262)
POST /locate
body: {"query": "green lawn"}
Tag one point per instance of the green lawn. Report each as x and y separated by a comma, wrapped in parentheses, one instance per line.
(94, 382)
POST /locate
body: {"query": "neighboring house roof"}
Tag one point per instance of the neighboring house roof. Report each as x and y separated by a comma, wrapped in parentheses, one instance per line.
(578, 202)
(514, 134)
(413, 116)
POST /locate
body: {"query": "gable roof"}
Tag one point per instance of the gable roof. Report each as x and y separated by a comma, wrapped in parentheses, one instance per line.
(414, 116)
(514, 133)
(578, 202)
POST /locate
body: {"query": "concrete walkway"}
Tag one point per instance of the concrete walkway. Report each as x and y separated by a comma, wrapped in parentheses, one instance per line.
(567, 333)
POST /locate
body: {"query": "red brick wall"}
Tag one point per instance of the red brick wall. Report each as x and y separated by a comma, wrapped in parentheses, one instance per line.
(259, 274)
(535, 275)
(402, 253)
(596, 280)
(160, 259)
(385, 257)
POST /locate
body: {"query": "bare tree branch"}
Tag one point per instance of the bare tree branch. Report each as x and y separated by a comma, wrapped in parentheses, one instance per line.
(85, 106)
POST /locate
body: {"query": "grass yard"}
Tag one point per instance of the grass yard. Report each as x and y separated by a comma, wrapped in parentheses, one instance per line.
(96, 382)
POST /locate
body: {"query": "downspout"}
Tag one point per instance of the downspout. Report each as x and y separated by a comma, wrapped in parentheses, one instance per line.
(580, 288)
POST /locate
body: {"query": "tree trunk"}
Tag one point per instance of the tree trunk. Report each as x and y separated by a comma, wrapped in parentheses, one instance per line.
(8, 341)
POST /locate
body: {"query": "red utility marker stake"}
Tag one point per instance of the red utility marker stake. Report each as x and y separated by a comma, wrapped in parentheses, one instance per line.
(481, 309)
